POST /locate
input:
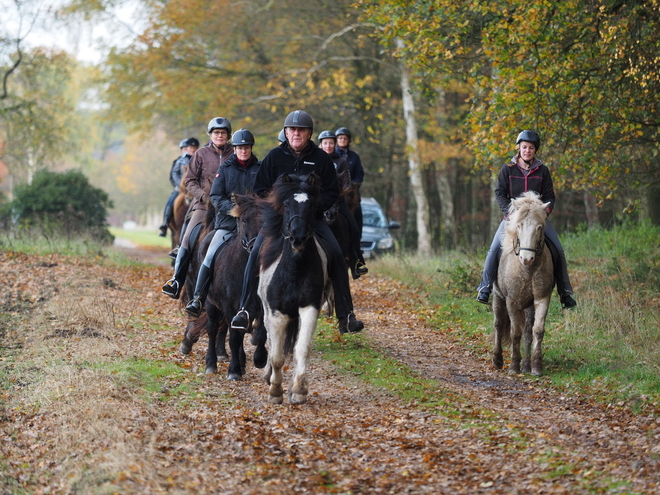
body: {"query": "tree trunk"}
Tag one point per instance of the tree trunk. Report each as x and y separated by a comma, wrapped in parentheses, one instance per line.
(447, 210)
(591, 209)
(416, 183)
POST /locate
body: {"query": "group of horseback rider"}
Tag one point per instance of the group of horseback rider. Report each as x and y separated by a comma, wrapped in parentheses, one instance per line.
(226, 165)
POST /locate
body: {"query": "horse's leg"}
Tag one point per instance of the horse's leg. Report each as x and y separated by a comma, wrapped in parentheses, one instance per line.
(260, 356)
(237, 361)
(501, 326)
(276, 325)
(194, 328)
(220, 348)
(517, 325)
(298, 390)
(538, 330)
(212, 322)
(527, 340)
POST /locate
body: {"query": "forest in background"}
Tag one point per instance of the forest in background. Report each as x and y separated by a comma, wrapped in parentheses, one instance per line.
(583, 74)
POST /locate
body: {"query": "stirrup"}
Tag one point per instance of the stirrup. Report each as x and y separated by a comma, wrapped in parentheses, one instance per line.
(172, 254)
(483, 296)
(195, 307)
(241, 322)
(567, 301)
(360, 269)
(172, 288)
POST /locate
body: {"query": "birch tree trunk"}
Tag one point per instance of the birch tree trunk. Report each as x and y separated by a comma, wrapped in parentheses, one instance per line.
(416, 183)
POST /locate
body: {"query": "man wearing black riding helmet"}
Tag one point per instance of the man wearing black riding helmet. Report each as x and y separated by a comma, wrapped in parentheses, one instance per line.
(188, 148)
(298, 155)
(525, 173)
(201, 171)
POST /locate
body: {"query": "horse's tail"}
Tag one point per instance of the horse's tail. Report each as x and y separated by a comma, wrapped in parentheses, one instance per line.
(291, 336)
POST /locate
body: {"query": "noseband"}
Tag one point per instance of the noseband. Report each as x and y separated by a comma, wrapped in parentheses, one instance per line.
(538, 249)
(286, 232)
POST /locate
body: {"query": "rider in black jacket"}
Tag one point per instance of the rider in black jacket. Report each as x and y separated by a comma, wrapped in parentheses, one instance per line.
(298, 155)
(236, 175)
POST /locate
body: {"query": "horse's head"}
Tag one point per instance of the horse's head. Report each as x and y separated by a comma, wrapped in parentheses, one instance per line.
(527, 226)
(298, 199)
(248, 215)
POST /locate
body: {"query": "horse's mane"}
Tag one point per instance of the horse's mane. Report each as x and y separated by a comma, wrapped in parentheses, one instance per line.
(528, 204)
(273, 206)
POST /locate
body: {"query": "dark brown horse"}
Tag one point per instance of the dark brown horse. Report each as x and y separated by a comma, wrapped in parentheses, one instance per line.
(180, 209)
(222, 301)
(523, 287)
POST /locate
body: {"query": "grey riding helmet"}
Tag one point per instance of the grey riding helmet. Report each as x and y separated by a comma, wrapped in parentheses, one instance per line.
(281, 137)
(531, 137)
(299, 118)
(343, 131)
(218, 123)
(242, 137)
(327, 135)
(183, 143)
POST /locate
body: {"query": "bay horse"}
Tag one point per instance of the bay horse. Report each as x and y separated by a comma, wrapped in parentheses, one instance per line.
(222, 301)
(180, 209)
(293, 280)
(522, 290)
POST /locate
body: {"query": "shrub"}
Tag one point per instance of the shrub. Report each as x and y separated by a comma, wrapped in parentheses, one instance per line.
(63, 203)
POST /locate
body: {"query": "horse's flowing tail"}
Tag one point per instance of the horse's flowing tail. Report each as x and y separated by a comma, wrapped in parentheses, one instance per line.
(291, 336)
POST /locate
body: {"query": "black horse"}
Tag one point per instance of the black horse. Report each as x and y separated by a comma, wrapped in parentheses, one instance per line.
(293, 280)
(225, 290)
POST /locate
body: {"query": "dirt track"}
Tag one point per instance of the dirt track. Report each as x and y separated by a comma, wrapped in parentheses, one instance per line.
(509, 435)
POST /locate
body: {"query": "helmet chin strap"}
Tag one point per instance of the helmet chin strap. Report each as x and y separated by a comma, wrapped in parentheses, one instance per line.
(527, 162)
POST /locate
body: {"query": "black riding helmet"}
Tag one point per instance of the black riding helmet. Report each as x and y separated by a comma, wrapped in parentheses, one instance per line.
(218, 123)
(192, 142)
(299, 118)
(327, 135)
(242, 137)
(531, 137)
(343, 131)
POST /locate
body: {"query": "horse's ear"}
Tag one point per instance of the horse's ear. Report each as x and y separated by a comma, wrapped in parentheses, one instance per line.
(312, 179)
(513, 206)
(285, 179)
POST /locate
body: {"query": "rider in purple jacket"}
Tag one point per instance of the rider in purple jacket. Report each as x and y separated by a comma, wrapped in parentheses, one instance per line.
(525, 173)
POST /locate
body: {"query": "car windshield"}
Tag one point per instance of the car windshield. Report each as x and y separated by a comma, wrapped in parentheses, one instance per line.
(373, 217)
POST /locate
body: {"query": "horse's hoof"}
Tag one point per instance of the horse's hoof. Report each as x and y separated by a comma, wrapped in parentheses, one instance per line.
(513, 371)
(298, 398)
(536, 372)
(223, 357)
(234, 376)
(260, 358)
(527, 369)
(210, 370)
(498, 363)
(276, 400)
(185, 348)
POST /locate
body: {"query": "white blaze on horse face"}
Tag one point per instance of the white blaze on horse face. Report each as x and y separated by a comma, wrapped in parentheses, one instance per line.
(527, 236)
(301, 197)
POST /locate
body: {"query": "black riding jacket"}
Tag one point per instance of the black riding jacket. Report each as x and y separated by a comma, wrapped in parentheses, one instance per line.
(232, 177)
(282, 160)
(513, 182)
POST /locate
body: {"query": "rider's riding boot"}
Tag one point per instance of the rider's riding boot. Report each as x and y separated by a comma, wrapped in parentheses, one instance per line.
(196, 304)
(163, 230)
(350, 324)
(484, 293)
(174, 285)
(172, 254)
(567, 301)
(564, 288)
(360, 269)
(242, 321)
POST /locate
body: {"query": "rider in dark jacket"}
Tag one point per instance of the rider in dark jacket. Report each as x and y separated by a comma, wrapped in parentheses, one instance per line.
(327, 142)
(525, 173)
(299, 155)
(179, 167)
(236, 175)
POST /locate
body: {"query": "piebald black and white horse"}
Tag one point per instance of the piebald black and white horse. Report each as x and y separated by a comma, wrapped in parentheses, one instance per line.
(293, 281)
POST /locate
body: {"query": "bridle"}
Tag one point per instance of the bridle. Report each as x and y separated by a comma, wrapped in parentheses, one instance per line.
(538, 249)
(286, 232)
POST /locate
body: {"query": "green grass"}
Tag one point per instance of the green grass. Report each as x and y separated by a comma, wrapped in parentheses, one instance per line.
(144, 238)
(608, 347)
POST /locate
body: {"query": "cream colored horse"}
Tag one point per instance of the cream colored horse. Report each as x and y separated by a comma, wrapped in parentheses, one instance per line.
(523, 287)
